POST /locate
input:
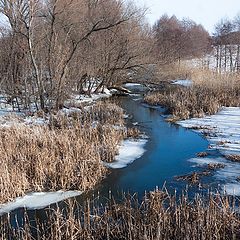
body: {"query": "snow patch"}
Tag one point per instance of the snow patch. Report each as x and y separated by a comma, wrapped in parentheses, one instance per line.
(227, 176)
(222, 129)
(90, 99)
(37, 200)
(129, 151)
(135, 87)
(232, 189)
(204, 161)
(132, 85)
(183, 82)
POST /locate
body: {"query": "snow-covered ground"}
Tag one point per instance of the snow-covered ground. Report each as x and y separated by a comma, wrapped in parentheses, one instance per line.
(135, 87)
(9, 117)
(223, 132)
(227, 176)
(129, 151)
(37, 200)
(183, 82)
(209, 61)
(90, 99)
(221, 129)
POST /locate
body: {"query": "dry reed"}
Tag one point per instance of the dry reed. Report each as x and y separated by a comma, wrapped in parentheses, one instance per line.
(158, 216)
(66, 154)
(208, 94)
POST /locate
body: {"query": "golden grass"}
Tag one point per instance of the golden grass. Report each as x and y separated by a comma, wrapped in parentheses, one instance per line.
(67, 154)
(233, 158)
(173, 71)
(158, 216)
(209, 93)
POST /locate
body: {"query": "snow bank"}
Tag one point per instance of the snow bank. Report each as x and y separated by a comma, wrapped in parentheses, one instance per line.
(135, 87)
(37, 200)
(227, 176)
(223, 132)
(183, 82)
(37, 121)
(129, 151)
(222, 129)
(93, 98)
(9, 118)
(232, 189)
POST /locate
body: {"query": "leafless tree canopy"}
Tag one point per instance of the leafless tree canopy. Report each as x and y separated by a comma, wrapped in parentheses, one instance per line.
(179, 39)
(52, 48)
(226, 41)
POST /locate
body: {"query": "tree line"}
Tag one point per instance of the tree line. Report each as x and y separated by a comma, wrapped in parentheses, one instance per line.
(226, 42)
(178, 40)
(52, 48)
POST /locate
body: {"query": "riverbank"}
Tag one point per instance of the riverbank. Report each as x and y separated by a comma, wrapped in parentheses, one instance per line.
(65, 153)
(206, 95)
(72, 149)
(158, 216)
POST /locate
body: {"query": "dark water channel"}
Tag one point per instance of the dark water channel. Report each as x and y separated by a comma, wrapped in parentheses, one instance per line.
(168, 148)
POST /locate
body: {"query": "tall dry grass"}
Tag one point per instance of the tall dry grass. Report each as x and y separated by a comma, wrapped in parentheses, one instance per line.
(166, 72)
(210, 91)
(158, 216)
(66, 154)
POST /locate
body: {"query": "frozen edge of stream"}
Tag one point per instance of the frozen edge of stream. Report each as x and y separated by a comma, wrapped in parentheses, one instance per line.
(129, 151)
(37, 200)
(222, 130)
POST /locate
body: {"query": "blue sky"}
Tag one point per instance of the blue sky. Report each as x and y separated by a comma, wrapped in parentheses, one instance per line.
(206, 12)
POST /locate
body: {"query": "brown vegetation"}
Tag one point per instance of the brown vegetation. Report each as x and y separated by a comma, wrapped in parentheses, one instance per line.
(67, 154)
(202, 154)
(233, 158)
(172, 71)
(215, 166)
(158, 216)
(53, 48)
(194, 178)
(179, 39)
(209, 93)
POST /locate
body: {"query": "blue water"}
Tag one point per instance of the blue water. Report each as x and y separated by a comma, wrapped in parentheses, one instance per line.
(168, 150)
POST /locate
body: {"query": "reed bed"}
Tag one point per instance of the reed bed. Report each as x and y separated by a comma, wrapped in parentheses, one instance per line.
(208, 94)
(158, 216)
(66, 154)
(167, 72)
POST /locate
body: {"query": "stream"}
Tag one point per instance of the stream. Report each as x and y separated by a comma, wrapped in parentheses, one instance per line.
(167, 153)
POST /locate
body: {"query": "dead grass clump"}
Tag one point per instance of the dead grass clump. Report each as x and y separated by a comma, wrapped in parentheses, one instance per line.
(202, 154)
(66, 155)
(193, 178)
(203, 98)
(158, 216)
(233, 158)
(173, 71)
(215, 166)
(133, 132)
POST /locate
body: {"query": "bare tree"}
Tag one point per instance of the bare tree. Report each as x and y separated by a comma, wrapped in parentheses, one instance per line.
(67, 43)
(180, 39)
